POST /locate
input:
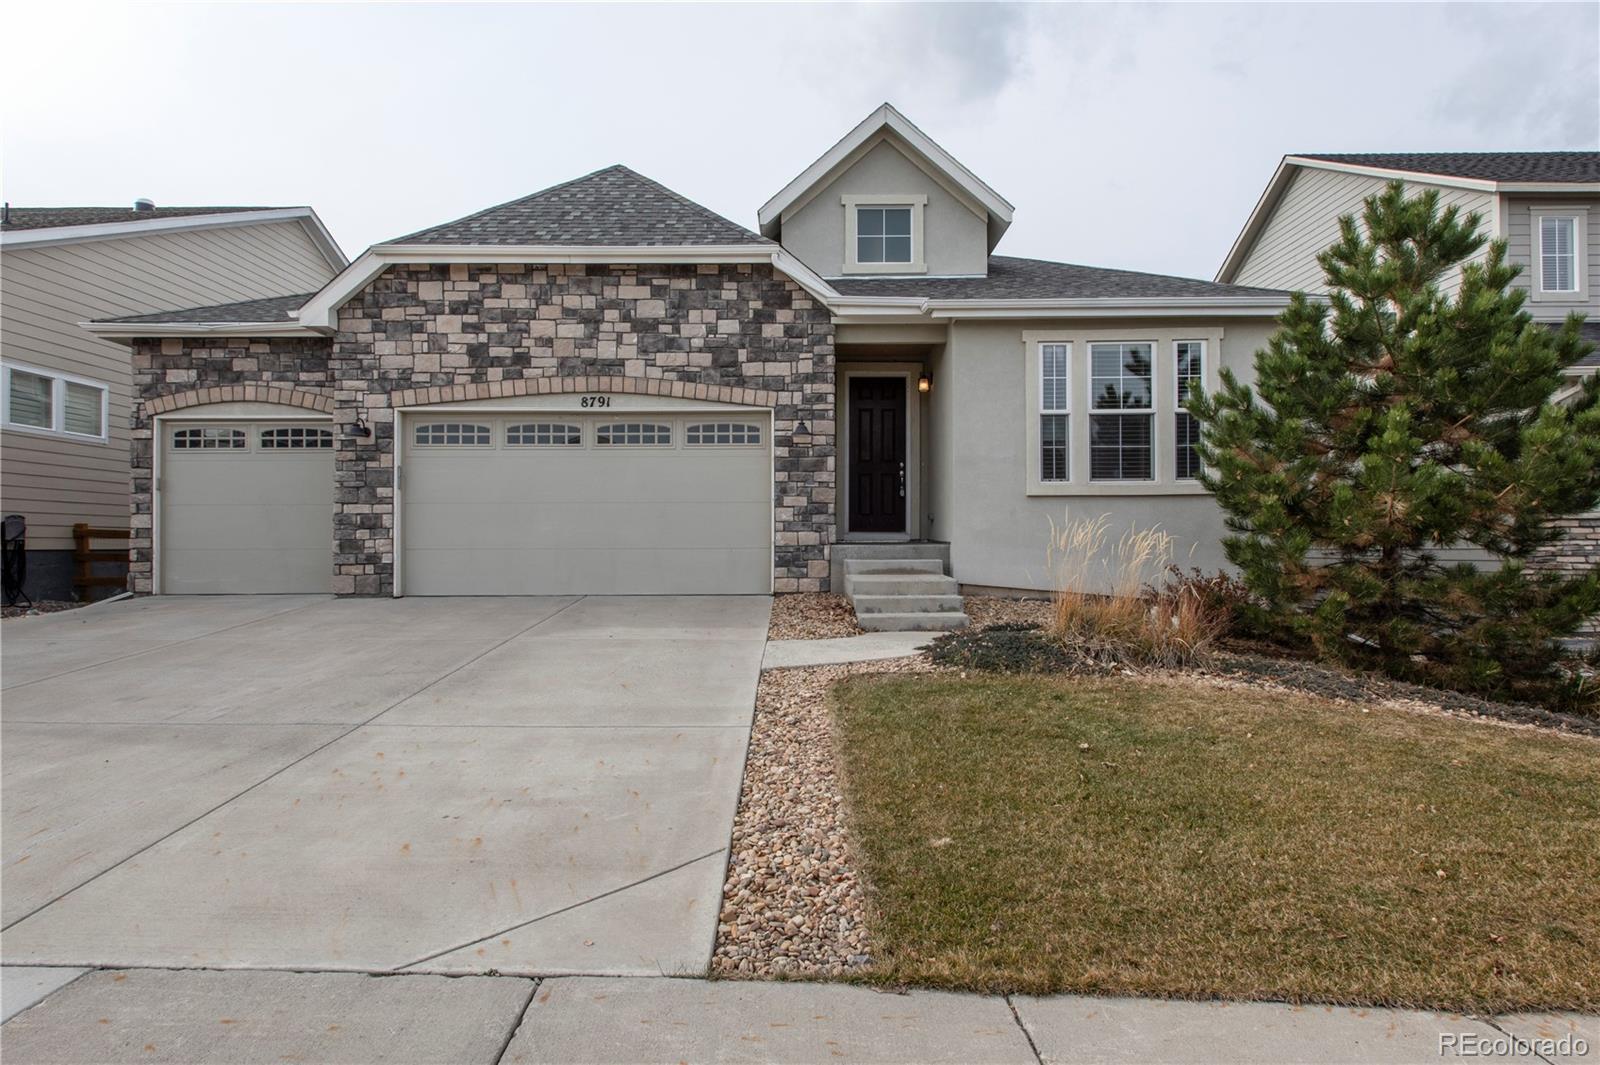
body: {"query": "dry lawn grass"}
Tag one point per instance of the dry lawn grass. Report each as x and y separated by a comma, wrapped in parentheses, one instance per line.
(1163, 838)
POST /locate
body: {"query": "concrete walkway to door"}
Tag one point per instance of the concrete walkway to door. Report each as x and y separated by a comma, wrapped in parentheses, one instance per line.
(524, 785)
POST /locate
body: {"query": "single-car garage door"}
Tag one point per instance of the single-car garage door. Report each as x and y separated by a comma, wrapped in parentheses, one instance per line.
(556, 503)
(246, 507)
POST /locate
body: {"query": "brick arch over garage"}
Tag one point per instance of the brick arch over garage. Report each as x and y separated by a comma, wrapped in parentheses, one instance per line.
(544, 386)
(282, 395)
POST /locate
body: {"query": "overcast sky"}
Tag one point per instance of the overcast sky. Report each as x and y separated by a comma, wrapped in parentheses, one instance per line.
(1131, 136)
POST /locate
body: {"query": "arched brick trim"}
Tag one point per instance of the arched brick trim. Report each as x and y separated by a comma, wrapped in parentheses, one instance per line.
(543, 386)
(280, 394)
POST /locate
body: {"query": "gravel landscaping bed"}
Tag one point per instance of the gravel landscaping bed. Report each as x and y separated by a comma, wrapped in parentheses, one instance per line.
(811, 616)
(793, 902)
(986, 610)
(44, 606)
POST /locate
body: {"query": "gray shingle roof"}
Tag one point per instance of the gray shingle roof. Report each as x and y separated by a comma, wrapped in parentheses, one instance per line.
(1034, 279)
(608, 208)
(20, 218)
(1590, 331)
(272, 309)
(1484, 166)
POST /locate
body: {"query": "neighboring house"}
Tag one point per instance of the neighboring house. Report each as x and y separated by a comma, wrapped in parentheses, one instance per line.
(65, 395)
(606, 388)
(1545, 205)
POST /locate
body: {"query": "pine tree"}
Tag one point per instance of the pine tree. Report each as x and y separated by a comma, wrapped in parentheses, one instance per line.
(1390, 422)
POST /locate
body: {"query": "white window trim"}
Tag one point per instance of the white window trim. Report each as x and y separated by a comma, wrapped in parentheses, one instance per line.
(918, 263)
(1164, 401)
(58, 408)
(1177, 407)
(1580, 250)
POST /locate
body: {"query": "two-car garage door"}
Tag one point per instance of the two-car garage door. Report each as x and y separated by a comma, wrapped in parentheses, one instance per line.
(565, 503)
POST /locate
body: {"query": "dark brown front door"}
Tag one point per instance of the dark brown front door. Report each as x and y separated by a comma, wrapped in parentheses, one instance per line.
(877, 454)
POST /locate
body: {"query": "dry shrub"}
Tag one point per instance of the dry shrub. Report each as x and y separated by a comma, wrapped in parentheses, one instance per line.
(1108, 607)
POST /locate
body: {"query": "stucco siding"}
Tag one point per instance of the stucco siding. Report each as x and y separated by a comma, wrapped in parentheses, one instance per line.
(1519, 212)
(1306, 221)
(998, 532)
(46, 291)
(955, 238)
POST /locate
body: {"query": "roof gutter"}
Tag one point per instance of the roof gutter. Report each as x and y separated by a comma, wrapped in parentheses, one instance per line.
(128, 331)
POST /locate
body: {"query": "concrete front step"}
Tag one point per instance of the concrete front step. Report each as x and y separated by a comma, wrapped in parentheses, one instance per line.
(916, 622)
(899, 584)
(907, 604)
(856, 566)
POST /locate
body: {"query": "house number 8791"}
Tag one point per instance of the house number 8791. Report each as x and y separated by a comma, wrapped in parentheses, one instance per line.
(595, 401)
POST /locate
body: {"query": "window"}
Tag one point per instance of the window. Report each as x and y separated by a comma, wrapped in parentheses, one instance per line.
(633, 434)
(1054, 393)
(1121, 445)
(883, 235)
(1558, 253)
(296, 437)
(544, 434)
(1189, 356)
(708, 434)
(452, 434)
(209, 438)
(54, 403)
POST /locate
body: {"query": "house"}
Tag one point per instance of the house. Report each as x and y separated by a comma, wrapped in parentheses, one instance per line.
(604, 387)
(1544, 205)
(66, 395)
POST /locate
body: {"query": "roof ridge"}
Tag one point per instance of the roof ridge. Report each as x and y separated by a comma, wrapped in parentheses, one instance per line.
(508, 203)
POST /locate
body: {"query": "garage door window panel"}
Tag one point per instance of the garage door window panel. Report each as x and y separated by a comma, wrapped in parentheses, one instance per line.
(633, 434)
(296, 438)
(210, 438)
(453, 434)
(722, 434)
(544, 434)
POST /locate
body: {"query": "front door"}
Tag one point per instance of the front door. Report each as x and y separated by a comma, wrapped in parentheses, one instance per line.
(877, 454)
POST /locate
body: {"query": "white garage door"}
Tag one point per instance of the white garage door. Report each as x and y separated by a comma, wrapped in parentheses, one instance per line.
(246, 507)
(570, 504)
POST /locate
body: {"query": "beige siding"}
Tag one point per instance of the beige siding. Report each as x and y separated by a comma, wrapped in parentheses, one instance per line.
(1519, 249)
(46, 291)
(1306, 220)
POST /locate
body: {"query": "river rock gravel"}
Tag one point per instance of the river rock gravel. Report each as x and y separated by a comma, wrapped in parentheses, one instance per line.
(811, 616)
(793, 902)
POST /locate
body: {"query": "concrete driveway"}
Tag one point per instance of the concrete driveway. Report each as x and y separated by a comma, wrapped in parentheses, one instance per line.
(528, 785)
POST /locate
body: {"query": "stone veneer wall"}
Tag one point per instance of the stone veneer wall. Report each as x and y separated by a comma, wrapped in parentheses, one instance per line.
(740, 332)
(1578, 550)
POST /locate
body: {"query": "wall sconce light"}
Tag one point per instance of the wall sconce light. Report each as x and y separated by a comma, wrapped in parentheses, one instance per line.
(924, 384)
(361, 429)
(800, 429)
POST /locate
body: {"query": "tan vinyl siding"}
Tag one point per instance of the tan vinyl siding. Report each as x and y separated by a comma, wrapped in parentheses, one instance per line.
(1519, 249)
(46, 291)
(1306, 221)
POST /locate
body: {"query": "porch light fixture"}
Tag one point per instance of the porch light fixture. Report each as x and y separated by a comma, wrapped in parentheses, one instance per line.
(800, 428)
(361, 429)
(924, 383)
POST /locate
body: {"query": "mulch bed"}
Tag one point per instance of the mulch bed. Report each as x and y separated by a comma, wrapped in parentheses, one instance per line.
(811, 616)
(44, 606)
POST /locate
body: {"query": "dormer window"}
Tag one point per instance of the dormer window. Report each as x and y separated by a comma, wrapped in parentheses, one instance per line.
(883, 234)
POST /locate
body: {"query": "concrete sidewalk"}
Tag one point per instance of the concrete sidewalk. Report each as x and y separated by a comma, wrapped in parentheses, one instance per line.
(150, 1015)
(871, 647)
